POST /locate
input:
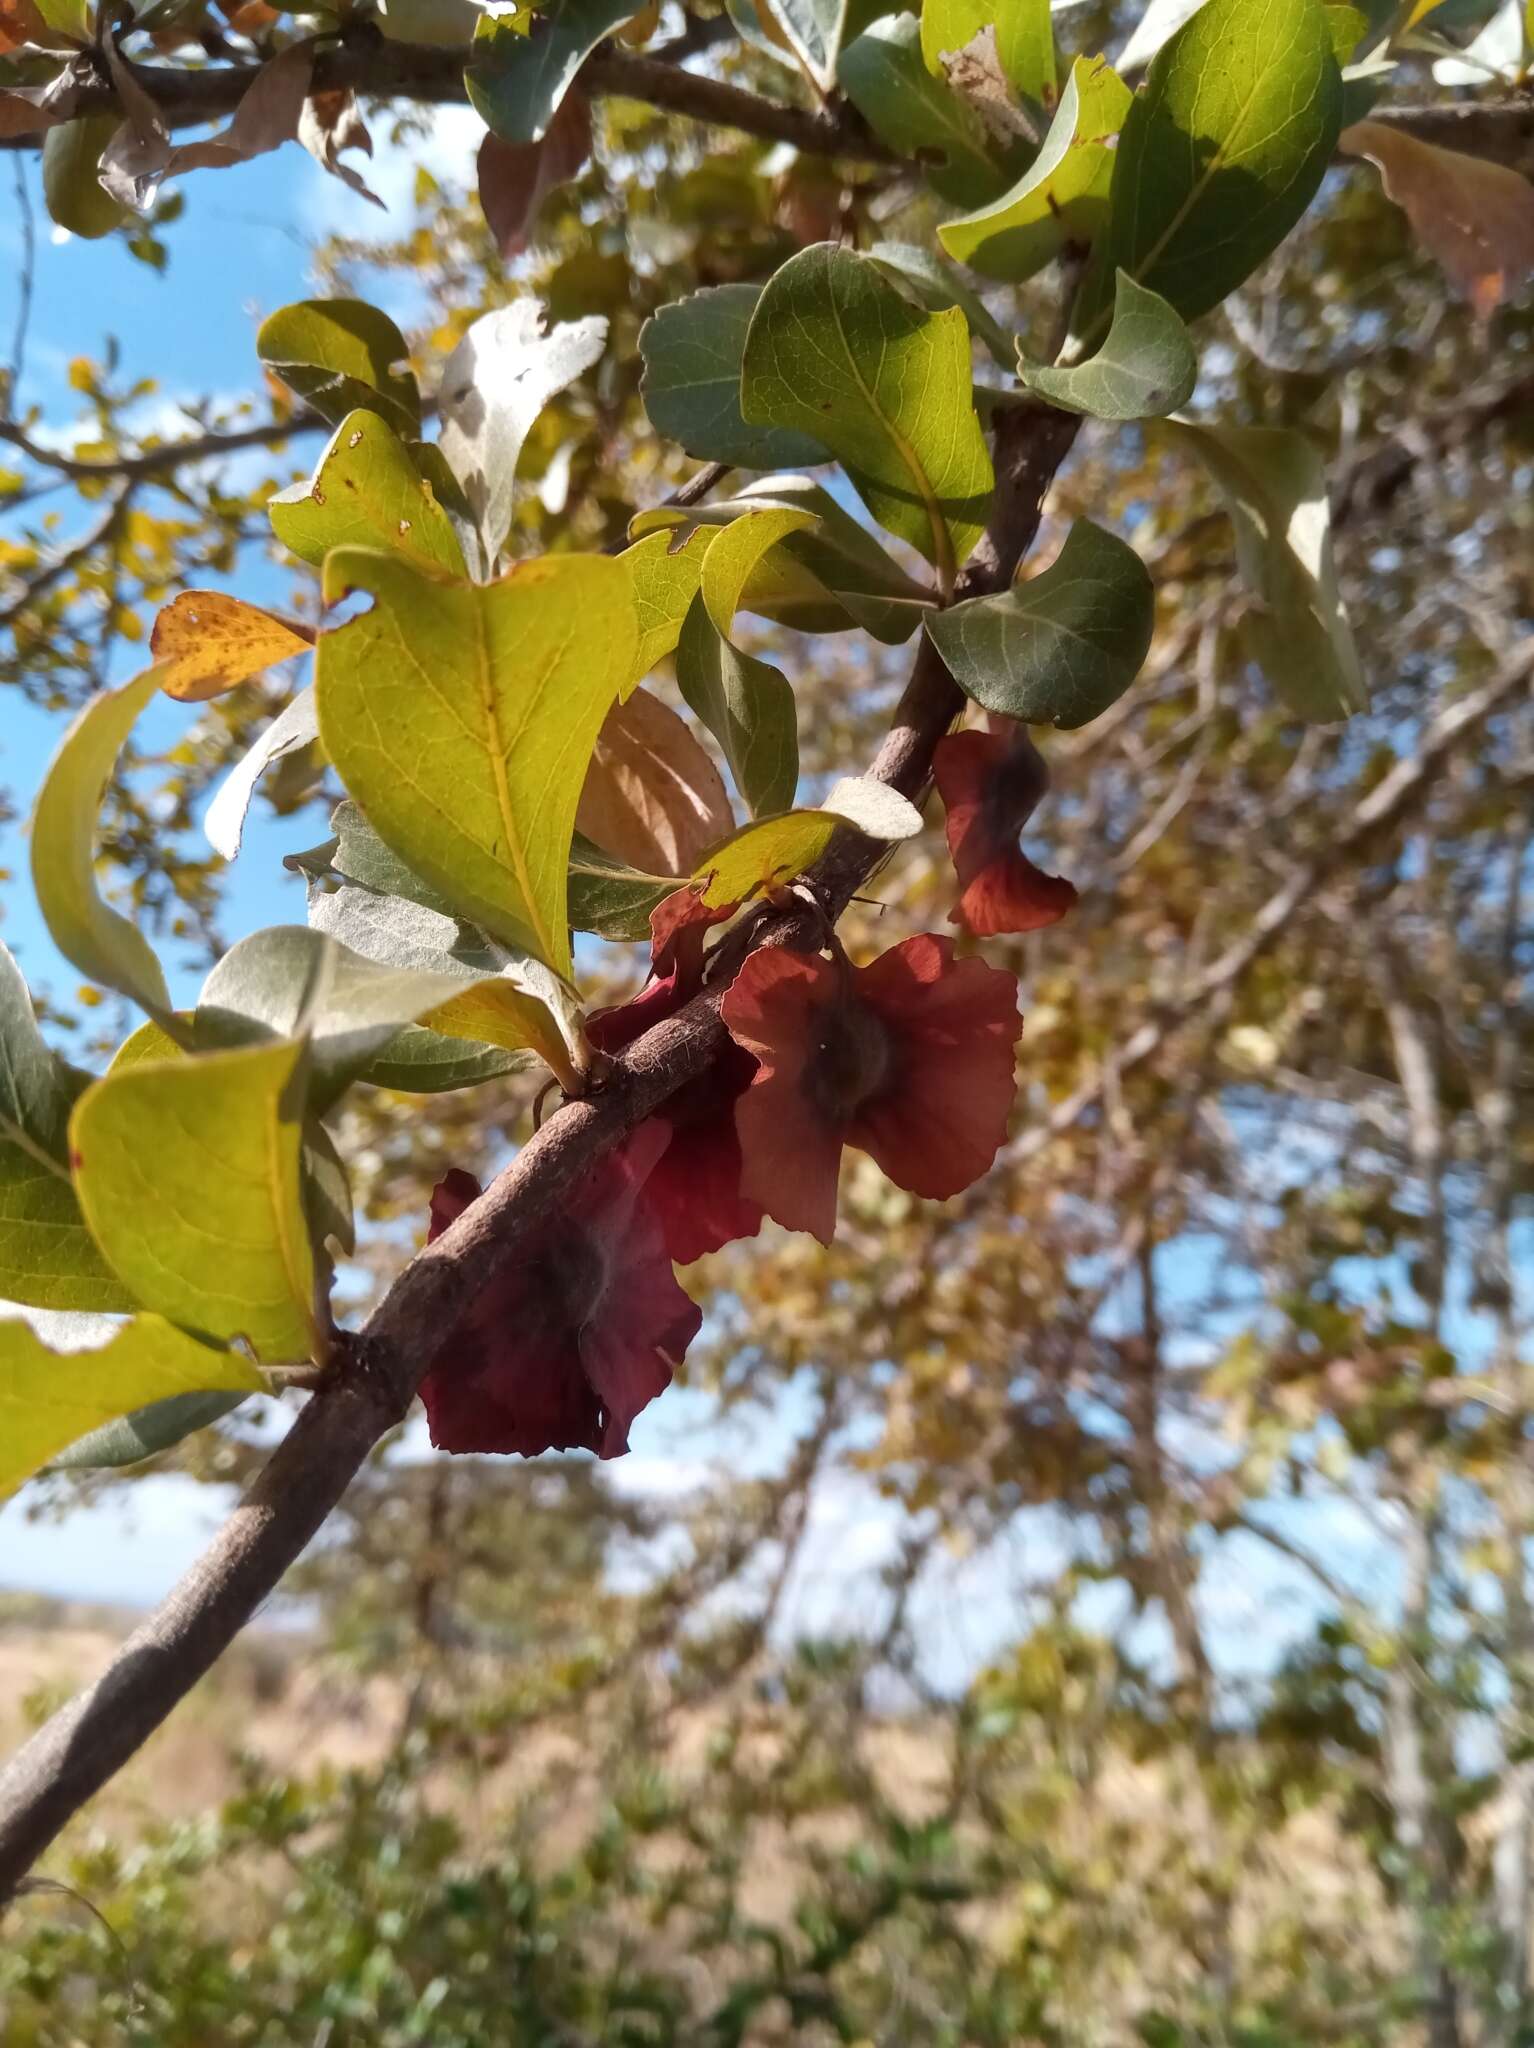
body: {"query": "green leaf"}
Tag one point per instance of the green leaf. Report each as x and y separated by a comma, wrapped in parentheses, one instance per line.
(47, 1256)
(609, 897)
(145, 1432)
(1063, 196)
(1273, 483)
(920, 117)
(663, 572)
(1060, 648)
(929, 279)
(1025, 39)
(774, 850)
(293, 982)
(90, 935)
(71, 1374)
(820, 579)
(692, 354)
(339, 355)
(494, 385)
(835, 347)
(462, 720)
(517, 79)
(1219, 156)
(1145, 368)
(747, 705)
(366, 492)
(815, 29)
(363, 857)
(188, 1173)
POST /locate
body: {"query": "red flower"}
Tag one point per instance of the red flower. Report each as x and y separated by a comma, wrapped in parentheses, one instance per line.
(694, 1187)
(991, 782)
(910, 1059)
(577, 1334)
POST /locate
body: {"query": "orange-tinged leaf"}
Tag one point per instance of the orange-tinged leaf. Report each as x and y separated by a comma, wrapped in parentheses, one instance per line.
(652, 796)
(1475, 218)
(205, 643)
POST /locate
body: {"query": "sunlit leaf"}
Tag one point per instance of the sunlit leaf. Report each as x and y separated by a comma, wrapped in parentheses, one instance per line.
(340, 355)
(692, 353)
(1061, 647)
(366, 492)
(518, 75)
(920, 117)
(1062, 196)
(1025, 41)
(206, 642)
(663, 572)
(188, 1174)
(62, 1376)
(91, 935)
(462, 719)
(47, 1256)
(1144, 369)
(835, 349)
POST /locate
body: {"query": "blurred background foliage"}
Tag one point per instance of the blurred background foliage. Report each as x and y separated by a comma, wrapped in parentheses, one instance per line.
(1245, 1303)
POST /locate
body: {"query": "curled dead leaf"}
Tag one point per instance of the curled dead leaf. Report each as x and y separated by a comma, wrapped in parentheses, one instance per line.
(330, 123)
(516, 177)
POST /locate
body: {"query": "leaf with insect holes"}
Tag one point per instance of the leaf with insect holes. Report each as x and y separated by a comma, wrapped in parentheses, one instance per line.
(835, 349)
(205, 643)
(1144, 369)
(652, 797)
(62, 1376)
(747, 705)
(1219, 156)
(1061, 647)
(494, 385)
(1025, 40)
(692, 352)
(1273, 482)
(462, 719)
(188, 1172)
(87, 931)
(339, 355)
(47, 1256)
(1062, 196)
(366, 491)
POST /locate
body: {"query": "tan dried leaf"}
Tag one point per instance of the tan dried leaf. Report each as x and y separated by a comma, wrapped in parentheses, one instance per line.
(141, 153)
(1475, 218)
(205, 643)
(330, 123)
(653, 797)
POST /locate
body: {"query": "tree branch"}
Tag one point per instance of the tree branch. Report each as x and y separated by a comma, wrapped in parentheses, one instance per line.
(153, 462)
(379, 1368)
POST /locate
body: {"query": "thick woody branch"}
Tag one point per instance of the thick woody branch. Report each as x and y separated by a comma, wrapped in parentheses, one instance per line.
(378, 1370)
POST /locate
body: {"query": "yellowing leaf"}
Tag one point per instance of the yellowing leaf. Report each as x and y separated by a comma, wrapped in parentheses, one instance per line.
(652, 796)
(462, 719)
(1475, 218)
(188, 1174)
(366, 491)
(205, 643)
(494, 1012)
(50, 1395)
(90, 935)
(664, 568)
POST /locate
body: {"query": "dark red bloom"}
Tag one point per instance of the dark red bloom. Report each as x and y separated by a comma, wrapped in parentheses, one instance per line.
(991, 782)
(578, 1333)
(910, 1059)
(694, 1187)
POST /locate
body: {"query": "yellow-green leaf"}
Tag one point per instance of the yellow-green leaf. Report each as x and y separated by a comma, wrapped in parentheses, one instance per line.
(462, 719)
(664, 569)
(49, 1397)
(366, 492)
(91, 935)
(189, 1176)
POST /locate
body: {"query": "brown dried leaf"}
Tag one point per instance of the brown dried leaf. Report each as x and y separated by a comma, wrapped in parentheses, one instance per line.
(516, 177)
(141, 154)
(653, 797)
(20, 23)
(28, 109)
(205, 643)
(1475, 218)
(330, 123)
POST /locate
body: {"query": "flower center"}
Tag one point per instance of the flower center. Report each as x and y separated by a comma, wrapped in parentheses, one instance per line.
(851, 1061)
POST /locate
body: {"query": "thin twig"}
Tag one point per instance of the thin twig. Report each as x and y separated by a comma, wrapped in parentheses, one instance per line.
(24, 293)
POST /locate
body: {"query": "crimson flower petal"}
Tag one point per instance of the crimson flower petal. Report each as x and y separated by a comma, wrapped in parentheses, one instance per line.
(990, 785)
(791, 1151)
